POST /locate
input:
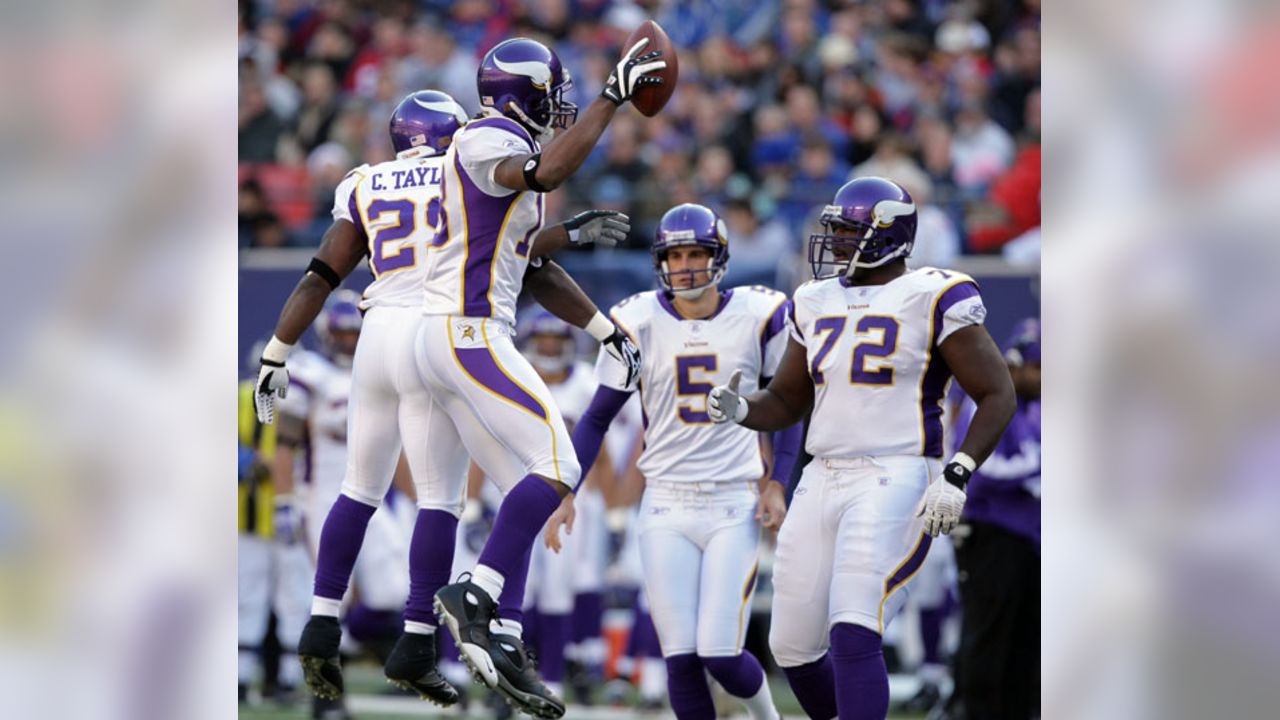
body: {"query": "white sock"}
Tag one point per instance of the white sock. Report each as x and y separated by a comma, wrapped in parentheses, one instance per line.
(507, 627)
(489, 580)
(760, 705)
(419, 628)
(653, 678)
(327, 607)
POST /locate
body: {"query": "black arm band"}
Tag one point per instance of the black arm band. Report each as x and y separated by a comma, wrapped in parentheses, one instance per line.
(325, 272)
(531, 173)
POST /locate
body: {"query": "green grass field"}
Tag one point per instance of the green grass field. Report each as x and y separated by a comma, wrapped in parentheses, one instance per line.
(369, 698)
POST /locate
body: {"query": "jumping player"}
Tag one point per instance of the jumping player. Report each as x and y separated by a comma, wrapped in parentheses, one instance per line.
(873, 347)
(707, 490)
(393, 212)
(486, 399)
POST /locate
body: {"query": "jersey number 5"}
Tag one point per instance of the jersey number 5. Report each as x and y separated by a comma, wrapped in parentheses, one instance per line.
(881, 332)
(402, 221)
(686, 385)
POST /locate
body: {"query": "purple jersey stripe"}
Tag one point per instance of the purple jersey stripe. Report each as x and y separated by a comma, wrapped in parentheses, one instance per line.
(910, 566)
(952, 295)
(933, 383)
(777, 321)
(480, 364)
(354, 209)
(791, 310)
(507, 124)
(484, 218)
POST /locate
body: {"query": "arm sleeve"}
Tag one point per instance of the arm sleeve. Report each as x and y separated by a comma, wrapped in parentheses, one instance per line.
(786, 449)
(591, 427)
(481, 149)
(773, 341)
(958, 307)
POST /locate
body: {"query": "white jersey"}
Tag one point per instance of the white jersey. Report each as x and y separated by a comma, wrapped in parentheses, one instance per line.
(574, 394)
(319, 392)
(872, 352)
(681, 361)
(397, 209)
(476, 267)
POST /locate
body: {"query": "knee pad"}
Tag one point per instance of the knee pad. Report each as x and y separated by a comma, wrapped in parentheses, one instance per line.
(788, 653)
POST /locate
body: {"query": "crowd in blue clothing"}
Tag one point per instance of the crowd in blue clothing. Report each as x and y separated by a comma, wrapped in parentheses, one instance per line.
(778, 103)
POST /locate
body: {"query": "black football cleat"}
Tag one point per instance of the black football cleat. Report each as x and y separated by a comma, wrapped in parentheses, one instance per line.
(318, 653)
(412, 666)
(518, 678)
(466, 610)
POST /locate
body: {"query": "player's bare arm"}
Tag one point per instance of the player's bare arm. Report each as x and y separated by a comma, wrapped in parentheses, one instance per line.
(977, 365)
(556, 291)
(783, 403)
(340, 251)
(545, 171)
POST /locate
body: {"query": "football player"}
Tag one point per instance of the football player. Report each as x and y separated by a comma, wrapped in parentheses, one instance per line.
(393, 213)
(872, 349)
(487, 401)
(707, 490)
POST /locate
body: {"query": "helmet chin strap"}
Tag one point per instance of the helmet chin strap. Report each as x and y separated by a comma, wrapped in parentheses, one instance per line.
(544, 134)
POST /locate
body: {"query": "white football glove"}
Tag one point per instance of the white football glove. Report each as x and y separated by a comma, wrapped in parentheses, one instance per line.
(943, 500)
(273, 380)
(600, 227)
(622, 349)
(724, 403)
(631, 73)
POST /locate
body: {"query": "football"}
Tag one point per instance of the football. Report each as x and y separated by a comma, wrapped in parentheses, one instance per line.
(650, 99)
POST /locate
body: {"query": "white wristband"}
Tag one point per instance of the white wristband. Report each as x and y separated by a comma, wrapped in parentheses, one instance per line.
(276, 350)
(965, 461)
(600, 327)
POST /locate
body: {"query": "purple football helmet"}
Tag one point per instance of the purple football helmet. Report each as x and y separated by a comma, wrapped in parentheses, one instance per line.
(691, 224)
(425, 119)
(548, 341)
(339, 326)
(878, 220)
(524, 80)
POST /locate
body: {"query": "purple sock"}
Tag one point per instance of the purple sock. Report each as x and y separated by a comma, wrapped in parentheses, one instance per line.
(448, 650)
(552, 631)
(520, 519)
(862, 683)
(340, 542)
(430, 562)
(687, 686)
(740, 675)
(511, 601)
(588, 616)
(368, 625)
(931, 633)
(815, 687)
(646, 637)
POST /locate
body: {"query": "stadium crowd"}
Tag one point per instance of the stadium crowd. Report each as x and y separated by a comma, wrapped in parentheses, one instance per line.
(778, 103)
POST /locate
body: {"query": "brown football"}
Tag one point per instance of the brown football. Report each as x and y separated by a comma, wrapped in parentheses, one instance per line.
(650, 99)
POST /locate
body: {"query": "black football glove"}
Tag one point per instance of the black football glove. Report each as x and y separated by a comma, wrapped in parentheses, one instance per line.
(632, 73)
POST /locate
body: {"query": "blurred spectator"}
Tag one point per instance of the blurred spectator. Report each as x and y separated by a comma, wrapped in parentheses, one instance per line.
(755, 246)
(1012, 205)
(259, 127)
(319, 106)
(804, 113)
(980, 149)
(819, 176)
(436, 62)
(385, 50)
(892, 160)
(251, 208)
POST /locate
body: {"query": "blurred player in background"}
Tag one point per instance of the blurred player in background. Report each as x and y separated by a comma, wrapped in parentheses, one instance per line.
(486, 396)
(708, 490)
(998, 549)
(550, 346)
(272, 575)
(873, 347)
(391, 213)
